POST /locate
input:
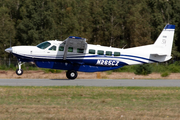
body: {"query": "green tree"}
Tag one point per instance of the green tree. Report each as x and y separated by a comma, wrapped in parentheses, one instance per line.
(106, 22)
(7, 31)
(112, 22)
(137, 27)
(36, 22)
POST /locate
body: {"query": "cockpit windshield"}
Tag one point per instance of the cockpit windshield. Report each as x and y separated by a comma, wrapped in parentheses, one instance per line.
(44, 45)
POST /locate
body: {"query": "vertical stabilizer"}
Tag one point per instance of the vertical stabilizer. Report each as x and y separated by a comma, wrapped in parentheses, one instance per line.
(165, 39)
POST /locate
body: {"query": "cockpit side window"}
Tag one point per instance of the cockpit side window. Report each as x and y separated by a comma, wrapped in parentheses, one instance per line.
(61, 48)
(44, 45)
(53, 48)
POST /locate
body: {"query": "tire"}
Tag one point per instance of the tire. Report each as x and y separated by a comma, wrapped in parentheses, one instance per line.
(19, 71)
(71, 74)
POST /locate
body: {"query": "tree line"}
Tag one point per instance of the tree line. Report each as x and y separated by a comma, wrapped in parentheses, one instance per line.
(107, 22)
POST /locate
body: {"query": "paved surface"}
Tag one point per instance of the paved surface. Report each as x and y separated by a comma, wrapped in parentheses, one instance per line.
(89, 82)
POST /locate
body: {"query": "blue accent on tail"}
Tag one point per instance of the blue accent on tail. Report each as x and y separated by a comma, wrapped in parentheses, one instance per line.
(74, 37)
(170, 26)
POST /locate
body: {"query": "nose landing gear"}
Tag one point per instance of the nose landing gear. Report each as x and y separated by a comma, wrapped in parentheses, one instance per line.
(19, 71)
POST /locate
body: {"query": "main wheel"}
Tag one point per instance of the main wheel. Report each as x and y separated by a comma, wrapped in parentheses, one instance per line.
(71, 74)
(19, 71)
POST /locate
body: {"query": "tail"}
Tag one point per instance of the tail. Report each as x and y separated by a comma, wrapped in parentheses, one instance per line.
(165, 40)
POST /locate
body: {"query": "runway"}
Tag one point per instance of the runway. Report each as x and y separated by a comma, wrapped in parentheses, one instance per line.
(90, 82)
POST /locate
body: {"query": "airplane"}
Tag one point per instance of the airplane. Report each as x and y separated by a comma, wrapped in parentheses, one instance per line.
(74, 54)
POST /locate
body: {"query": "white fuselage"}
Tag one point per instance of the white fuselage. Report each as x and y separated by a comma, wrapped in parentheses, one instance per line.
(130, 56)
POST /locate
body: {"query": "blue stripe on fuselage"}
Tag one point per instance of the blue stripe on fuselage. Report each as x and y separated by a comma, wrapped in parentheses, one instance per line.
(139, 57)
(81, 64)
(93, 56)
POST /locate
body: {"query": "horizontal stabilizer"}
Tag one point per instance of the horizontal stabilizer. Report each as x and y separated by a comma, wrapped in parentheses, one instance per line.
(159, 54)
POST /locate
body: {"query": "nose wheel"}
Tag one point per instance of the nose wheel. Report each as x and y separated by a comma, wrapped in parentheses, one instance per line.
(19, 71)
(71, 74)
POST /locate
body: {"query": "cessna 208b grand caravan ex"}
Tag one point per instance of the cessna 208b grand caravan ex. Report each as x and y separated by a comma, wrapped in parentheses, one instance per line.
(74, 54)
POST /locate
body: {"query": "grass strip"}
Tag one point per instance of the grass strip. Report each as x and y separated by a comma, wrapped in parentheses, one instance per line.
(77, 102)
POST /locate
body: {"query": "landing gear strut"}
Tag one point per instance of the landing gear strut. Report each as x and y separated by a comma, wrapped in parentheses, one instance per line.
(19, 71)
(71, 74)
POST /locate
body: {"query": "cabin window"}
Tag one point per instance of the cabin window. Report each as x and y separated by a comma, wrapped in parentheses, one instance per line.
(116, 53)
(108, 53)
(80, 50)
(44, 45)
(61, 48)
(91, 51)
(70, 49)
(53, 48)
(100, 52)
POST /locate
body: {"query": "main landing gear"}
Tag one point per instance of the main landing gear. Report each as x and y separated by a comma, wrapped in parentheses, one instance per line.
(19, 71)
(71, 74)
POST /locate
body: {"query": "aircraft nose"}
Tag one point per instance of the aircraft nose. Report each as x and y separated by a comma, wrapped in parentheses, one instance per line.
(9, 50)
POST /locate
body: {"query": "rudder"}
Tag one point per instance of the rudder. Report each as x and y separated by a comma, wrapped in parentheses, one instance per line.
(165, 39)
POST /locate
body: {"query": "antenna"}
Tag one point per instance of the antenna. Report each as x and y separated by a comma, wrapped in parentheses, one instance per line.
(124, 46)
(168, 10)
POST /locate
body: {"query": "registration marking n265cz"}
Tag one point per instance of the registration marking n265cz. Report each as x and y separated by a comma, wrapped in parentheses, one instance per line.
(107, 62)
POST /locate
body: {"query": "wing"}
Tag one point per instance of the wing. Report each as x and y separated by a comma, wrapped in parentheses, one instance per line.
(75, 42)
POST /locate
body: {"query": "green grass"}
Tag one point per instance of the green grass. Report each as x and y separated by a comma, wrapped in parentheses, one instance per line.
(79, 102)
(156, 68)
(165, 74)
